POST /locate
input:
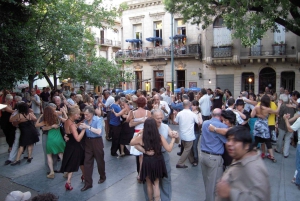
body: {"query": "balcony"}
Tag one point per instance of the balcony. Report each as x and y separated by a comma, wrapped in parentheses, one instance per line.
(221, 51)
(108, 42)
(191, 50)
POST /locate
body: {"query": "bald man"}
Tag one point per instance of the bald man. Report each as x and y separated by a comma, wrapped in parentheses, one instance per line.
(212, 148)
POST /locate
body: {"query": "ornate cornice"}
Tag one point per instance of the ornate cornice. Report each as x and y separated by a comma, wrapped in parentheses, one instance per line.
(136, 19)
(138, 67)
(143, 4)
(180, 65)
(157, 15)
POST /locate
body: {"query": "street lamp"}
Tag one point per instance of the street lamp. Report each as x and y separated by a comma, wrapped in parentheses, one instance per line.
(250, 80)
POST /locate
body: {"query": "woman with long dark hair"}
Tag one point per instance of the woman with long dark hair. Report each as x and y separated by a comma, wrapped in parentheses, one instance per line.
(55, 143)
(153, 167)
(261, 129)
(29, 134)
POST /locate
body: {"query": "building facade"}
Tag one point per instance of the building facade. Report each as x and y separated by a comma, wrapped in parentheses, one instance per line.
(203, 58)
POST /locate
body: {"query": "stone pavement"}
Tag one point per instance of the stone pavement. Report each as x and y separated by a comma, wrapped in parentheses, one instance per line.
(121, 182)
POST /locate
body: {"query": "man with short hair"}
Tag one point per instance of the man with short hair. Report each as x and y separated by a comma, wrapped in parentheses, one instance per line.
(163, 105)
(72, 100)
(217, 98)
(164, 130)
(239, 104)
(154, 91)
(212, 148)
(205, 104)
(240, 117)
(115, 126)
(186, 120)
(45, 96)
(109, 100)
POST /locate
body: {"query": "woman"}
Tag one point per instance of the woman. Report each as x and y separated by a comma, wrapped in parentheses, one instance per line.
(227, 96)
(196, 110)
(153, 167)
(74, 154)
(261, 129)
(55, 143)
(7, 127)
(229, 118)
(127, 131)
(29, 134)
(136, 119)
(252, 99)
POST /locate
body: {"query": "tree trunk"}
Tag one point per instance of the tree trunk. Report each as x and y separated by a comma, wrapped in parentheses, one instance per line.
(48, 80)
(31, 80)
(55, 80)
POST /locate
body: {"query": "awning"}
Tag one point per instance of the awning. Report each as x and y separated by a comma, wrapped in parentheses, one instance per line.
(133, 40)
(151, 39)
(179, 36)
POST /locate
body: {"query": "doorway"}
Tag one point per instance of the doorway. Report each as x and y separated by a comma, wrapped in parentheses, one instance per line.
(248, 82)
(138, 80)
(267, 78)
(158, 79)
(288, 80)
(180, 78)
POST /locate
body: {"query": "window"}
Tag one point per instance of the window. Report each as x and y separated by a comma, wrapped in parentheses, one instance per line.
(256, 48)
(180, 29)
(157, 32)
(222, 35)
(279, 37)
(137, 33)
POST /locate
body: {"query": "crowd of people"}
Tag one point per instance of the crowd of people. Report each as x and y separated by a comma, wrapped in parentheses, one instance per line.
(73, 125)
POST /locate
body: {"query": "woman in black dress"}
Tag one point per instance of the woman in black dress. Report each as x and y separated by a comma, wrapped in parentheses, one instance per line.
(153, 166)
(74, 154)
(29, 134)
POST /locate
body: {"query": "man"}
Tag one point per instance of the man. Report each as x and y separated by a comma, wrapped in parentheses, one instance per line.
(109, 100)
(186, 120)
(159, 104)
(93, 147)
(217, 98)
(295, 98)
(239, 104)
(182, 91)
(240, 117)
(205, 104)
(45, 96)
(295, 127)
(179, 106)
(115, 126)
(72, 100)
(164, 130)
(285, 108)
(212, 148)
(35, 105)
(154, 92)
(81, 90)
(59, 104)
(247, 177)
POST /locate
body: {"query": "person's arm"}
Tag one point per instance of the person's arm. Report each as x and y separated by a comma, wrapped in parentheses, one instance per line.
(253, 112)
(172, 134)
(38, 123)
(96, 130)
(290, 128)
(9, 109)
(32, 117)
(165, 144)
(241, 114)
(221, 131)
(37, 100)
(250, 101)
(120, 113)
(141, 149)
(73, 130)
(294, 118)
(137, 140)
(200, 119)
(275, 111)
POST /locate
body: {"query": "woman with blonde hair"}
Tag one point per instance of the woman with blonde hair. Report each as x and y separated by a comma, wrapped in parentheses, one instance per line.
(55, 143)
(74, 153)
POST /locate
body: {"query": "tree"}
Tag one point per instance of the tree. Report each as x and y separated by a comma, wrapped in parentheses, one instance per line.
(250, 19)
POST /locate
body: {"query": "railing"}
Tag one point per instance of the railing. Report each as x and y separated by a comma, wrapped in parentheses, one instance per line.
(161, 51)
(221, 51)
(109, 42)
(268, 53)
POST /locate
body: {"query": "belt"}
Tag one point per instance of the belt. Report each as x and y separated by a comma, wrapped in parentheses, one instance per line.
(90, 138)
(211, 153)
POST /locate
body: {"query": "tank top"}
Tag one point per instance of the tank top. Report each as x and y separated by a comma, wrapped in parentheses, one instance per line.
(140, 126)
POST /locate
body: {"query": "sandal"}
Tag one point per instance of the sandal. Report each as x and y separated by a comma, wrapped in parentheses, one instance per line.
(194, 164)
(272, 158)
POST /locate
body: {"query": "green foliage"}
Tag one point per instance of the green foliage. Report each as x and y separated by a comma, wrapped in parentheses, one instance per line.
(250, 19)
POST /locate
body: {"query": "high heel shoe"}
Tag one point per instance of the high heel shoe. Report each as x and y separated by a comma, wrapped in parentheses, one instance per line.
(68, 187)
(82, 178)
(29, 160)
(51, 175)
(16, 163)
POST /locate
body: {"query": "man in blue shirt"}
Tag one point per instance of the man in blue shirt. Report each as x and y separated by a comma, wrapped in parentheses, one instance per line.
(93, 147)
(212, 148)
(115, 126)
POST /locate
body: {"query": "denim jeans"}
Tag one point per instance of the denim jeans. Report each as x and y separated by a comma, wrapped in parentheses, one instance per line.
(195, 147)
(298, 165)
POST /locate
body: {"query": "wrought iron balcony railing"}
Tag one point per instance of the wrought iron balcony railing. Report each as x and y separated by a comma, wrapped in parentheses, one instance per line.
(108, 42)
(221, 51)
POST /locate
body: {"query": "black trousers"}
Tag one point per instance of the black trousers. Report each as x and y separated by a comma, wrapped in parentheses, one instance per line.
(115, 134)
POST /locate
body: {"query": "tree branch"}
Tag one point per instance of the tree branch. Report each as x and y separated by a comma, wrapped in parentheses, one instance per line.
(295, 2)
(40, 25)
(292, 28)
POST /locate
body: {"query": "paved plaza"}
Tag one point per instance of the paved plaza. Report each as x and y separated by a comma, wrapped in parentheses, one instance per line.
(121, 184)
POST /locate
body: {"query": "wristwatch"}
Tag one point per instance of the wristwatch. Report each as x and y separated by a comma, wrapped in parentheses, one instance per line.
(90, 128)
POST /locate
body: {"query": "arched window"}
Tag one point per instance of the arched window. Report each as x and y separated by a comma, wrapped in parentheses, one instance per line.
(222, 35)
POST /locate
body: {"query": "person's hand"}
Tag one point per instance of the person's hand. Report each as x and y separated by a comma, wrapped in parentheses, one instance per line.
(155, 106)
(279, 103)
(286, 116)
(163, 107)
(211, 128)
(223, 189)
(175, 134)
(83, 126)
(150, 153)
(66, 138)
(55, 126)
(32, 98)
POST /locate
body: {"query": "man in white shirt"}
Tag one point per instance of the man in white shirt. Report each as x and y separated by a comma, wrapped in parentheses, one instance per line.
(163, 105)
(109, 101)
(239, 115)
(205, 105)
(72, 100)
(186, 120)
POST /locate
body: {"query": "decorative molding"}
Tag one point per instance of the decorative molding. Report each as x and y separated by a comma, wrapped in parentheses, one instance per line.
(235, 60)
(157, 67)
(143, 4)
(180, 65)
(157, 15)
(137, 19)
(178, 15)
(137, 67)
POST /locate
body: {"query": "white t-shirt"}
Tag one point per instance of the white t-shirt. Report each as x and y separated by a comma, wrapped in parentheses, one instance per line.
(110, 100)
(186, 120)
(167, 98)
(164, 103)
(205, 105)
(296, 127)
(34, 106)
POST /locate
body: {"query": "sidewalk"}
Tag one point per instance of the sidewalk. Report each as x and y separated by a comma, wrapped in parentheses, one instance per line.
(121, 185)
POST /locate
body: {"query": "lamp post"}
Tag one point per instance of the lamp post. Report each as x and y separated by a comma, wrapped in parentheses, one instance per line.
(172, 50)
(250, 80)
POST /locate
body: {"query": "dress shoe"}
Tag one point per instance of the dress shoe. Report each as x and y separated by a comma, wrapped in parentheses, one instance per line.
(86, 187)
(29, 160)
(25, 157)
(68, 187)
(181, 166)
(179, 153)
(101, 180)
(16, 163)
(7, 162)
(115, 154)
(286, 156)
